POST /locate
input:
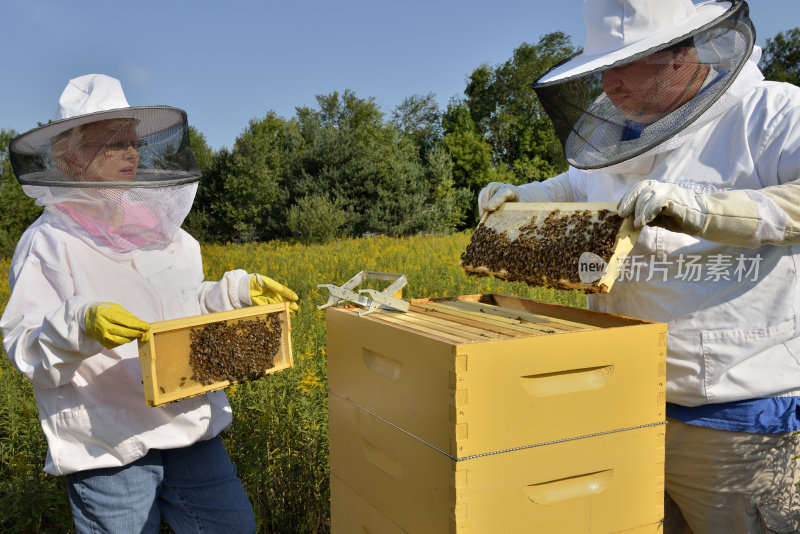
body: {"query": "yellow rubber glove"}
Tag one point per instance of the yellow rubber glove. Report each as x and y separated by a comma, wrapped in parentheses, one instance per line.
(265, 290)
(112, 325)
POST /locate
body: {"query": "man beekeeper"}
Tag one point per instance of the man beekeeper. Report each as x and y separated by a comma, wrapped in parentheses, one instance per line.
(666, 112)
(106, 257)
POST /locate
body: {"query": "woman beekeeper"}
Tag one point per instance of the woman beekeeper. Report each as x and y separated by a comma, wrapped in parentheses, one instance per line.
(666, 112)
(106, 257)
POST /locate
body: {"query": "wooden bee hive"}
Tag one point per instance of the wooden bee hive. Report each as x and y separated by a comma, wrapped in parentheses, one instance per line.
(173, 369)
(492, 413)
(576, 245)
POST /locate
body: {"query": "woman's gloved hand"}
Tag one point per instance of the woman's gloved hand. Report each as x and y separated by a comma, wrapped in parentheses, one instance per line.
(112, 325)
(264, 290)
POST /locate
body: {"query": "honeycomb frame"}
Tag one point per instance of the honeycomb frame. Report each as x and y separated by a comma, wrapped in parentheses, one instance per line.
(165, 356)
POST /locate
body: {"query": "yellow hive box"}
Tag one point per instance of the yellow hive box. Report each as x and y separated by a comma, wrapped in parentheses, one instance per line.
(442, 419)
(487, 372)
(166, 369)
(354, 514)
(385, 480)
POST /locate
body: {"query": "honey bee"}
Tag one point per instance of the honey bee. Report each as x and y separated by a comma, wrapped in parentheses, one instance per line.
(546, 251)
(235, 351)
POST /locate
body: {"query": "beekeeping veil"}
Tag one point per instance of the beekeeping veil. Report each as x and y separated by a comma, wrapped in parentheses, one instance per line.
(650, 70)
(122, 176)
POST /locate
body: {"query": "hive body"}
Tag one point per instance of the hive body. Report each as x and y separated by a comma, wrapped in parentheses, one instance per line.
(493, 413)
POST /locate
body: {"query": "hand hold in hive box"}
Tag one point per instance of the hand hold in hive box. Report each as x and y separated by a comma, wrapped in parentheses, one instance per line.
(236, 351)
(546, 251)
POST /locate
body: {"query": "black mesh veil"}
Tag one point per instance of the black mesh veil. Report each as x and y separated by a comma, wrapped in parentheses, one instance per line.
(71, 152)
(123, 178)
(619, 111)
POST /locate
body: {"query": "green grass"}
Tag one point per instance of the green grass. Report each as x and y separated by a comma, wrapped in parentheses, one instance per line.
(278, 439)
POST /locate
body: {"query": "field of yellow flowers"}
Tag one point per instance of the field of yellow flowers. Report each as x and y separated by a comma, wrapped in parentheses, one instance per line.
(278, 439)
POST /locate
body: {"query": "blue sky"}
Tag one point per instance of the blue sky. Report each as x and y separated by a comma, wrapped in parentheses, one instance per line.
(226, 62)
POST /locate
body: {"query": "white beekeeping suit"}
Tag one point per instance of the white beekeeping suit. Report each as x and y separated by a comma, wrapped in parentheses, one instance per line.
(116, 183)
(666, 112)
(738, 151)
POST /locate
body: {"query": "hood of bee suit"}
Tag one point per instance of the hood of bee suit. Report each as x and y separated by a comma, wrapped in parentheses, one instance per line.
(650, 69)
(124, 177)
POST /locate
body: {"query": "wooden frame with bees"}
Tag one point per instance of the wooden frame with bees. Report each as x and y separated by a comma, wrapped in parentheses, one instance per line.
(565, 245)
(179, 359)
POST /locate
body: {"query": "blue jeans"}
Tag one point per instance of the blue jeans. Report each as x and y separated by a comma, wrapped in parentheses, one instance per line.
(195, 488)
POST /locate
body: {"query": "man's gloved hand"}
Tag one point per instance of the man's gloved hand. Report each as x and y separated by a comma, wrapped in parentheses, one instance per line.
(495, 195)
(112, 325)
(265, 290)
(667, 205)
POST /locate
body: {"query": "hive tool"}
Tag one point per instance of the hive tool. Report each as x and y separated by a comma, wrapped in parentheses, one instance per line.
(376, 299)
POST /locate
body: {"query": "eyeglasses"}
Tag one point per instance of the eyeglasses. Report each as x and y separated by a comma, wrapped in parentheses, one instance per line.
(118, 147)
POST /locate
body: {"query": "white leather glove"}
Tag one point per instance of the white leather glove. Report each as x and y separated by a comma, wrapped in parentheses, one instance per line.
(495, 195)
(667, 205)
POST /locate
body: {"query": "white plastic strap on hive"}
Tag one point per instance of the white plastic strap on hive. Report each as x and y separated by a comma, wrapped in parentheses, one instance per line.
(377, 299)
(462, 458)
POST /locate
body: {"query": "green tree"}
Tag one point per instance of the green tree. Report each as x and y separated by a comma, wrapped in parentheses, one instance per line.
(781, 59)
(470, 152)
(317, 219)
(447, 205)
(418, 118)
(506, 112)
(17, 210)
(199, 223)
(241, 195)
(471, 156)
(349, 152)
(202, 152)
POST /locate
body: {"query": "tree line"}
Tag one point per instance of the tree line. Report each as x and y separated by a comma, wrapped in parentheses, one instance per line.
(344, 168)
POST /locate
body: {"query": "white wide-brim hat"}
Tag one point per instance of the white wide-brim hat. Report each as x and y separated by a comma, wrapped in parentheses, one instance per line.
(93, 98)
(620, 30)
